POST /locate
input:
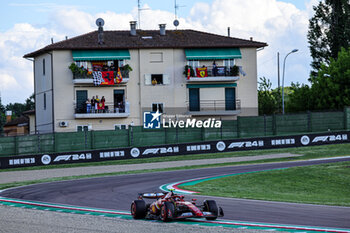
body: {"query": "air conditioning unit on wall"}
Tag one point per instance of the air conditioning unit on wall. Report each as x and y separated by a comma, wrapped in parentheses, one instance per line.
(63, 123)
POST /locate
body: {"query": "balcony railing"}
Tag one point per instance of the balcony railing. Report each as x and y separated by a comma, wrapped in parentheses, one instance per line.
(215, 107)
(218, 73)
(86, 77)
(109, 110)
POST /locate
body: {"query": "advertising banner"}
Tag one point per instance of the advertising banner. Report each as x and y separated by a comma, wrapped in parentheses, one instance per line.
(176, 149)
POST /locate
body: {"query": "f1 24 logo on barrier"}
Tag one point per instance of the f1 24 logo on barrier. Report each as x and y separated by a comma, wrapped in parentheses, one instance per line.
(246, 144)
(151, 120)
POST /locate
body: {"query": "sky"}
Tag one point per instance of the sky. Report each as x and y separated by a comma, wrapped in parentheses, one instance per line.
(28, 25)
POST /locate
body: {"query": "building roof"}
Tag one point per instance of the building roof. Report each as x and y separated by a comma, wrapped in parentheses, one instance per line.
(23, 120)
(149, 39)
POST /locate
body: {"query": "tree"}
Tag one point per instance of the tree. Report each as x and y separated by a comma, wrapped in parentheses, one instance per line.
(2, 117)
(331, 87)
(267, 98)
(329, 31)
(300, 98)
(18, 108)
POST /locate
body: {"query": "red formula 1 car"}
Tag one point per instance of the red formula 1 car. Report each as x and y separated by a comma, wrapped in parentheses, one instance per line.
(170, 206)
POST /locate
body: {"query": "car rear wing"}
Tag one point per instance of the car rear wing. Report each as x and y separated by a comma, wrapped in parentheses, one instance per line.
(152, 195)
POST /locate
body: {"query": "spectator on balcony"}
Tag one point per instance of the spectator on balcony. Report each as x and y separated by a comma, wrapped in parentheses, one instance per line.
(97, 101)
(93, 101)
(88, 105)
(215, 69)
(102, 104)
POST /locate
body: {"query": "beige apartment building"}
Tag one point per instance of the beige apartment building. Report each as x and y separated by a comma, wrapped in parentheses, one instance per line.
(183, 72)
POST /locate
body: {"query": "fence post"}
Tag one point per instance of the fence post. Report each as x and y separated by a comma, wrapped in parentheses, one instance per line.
(203, 133)
(55, 144)
(165, 135)
(131, 135)
(38, 143)
(92, 140)
(274, 124)
(238, 127)
(265, 125)
(221, 128)
(16, 145)
(86, 139)
(177, 134)
(347, 118)
(309, 121)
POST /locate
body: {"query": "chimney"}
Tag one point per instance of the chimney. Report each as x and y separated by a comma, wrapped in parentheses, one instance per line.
(228, 31)
(162, 29)
(133, 28)
(100, 35)
(8, 116)
(251, 38)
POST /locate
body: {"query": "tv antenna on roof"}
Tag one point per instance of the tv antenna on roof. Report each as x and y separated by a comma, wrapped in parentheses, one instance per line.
(100, 22)
(176, 7)
(139, 12)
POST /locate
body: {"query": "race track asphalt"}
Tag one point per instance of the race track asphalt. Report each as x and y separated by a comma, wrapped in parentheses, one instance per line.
(117, 193)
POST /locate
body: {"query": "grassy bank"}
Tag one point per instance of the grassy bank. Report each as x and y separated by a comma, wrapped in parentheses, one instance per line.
(309, 152)
(327, 184)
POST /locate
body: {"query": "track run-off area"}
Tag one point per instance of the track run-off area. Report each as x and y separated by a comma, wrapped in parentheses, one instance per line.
(111, 197)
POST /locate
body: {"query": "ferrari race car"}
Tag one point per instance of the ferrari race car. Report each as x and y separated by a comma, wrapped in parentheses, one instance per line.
(170, 206)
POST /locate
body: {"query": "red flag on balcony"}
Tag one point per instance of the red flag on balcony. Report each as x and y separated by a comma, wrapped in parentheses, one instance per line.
(202, 72)
(119, 78)
(108, 77)
(188, 73)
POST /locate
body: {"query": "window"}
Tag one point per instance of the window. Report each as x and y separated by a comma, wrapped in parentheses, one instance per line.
(119, 127)
(194, 64)
(157, 107)
(43, 66)
(81, 128)
(157, 79)
(229, 62)
(44, 101)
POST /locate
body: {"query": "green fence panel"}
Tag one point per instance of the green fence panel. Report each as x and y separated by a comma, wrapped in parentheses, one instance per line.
(229, 130)
(347, 118)
(46, 142)
(7, 146)
(253, 126)
(110, 139)
(291, 124)
(28, 144)
(73, 141)
(327, 121)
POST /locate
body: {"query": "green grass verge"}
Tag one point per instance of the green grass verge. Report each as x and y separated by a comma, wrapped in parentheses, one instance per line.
(327, 184)
(309, 152)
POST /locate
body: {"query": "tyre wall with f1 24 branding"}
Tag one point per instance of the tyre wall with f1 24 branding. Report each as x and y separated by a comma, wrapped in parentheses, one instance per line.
(176, 149)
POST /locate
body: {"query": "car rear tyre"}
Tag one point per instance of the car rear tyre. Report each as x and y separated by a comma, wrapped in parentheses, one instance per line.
(211, 206)
(138, 209)
(167, 211)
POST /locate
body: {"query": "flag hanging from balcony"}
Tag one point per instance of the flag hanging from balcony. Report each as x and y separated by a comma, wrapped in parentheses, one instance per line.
(97, 78)
(108, 78)
(188, 73)
(202, 72)
(119, 78)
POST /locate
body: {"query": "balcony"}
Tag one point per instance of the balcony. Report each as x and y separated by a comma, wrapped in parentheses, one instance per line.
(214, 108)
(83, 75)
(110, 110)
(219, 73)
(87, 78)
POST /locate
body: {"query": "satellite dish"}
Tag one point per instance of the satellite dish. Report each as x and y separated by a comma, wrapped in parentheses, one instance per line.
(176, 22)
(100, 22)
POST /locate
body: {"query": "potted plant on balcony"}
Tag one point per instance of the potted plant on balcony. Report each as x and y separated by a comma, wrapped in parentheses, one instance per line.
(79, 72)
(125, 70)
(186, 71)
(234, 71)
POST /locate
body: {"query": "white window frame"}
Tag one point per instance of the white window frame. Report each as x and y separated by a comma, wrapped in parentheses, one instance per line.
(165, 79)
(229, 62)
(119, 126)
(158, 104)
(82, 126)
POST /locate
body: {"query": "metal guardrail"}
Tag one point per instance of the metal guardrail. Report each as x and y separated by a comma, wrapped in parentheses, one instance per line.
(99, 108)
(223, 71)
(216, 105)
